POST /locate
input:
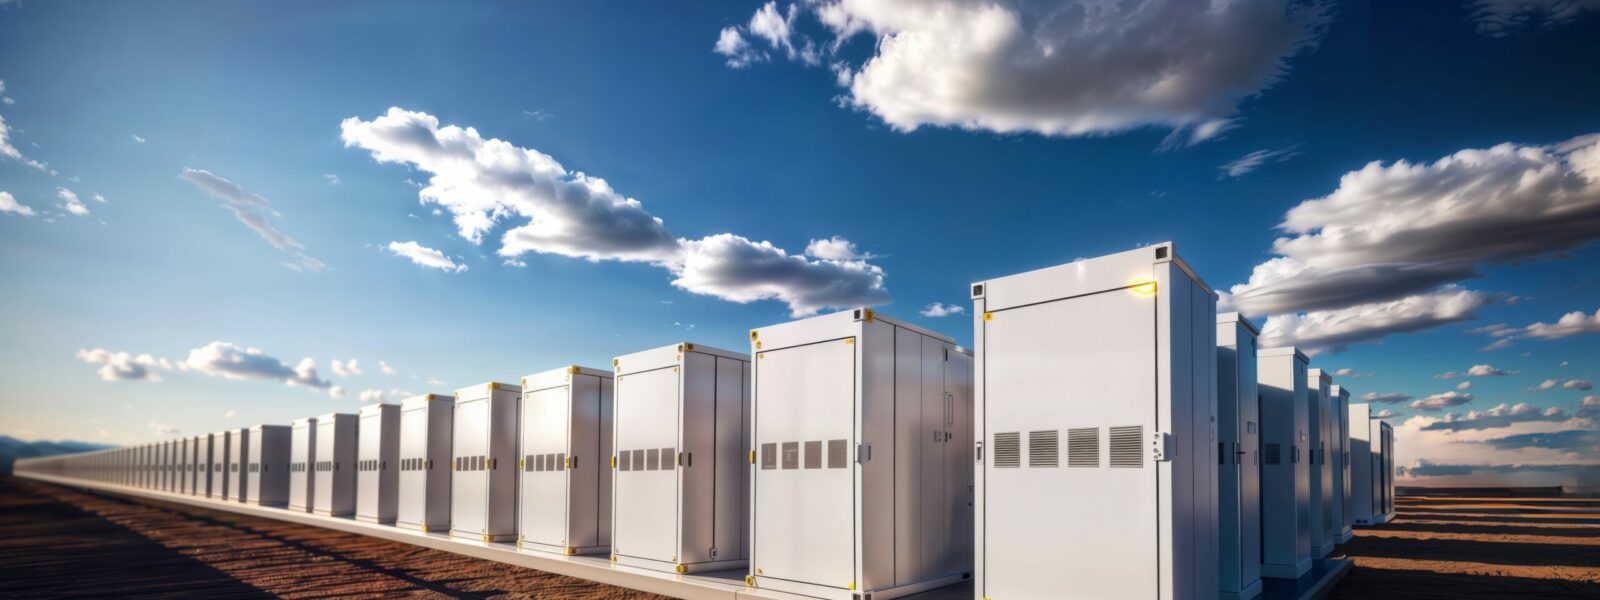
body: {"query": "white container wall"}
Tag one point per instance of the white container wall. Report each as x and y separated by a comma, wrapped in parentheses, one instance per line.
(1341, 464)
(210, 459)
(564, 495)
(185, 466)
(302, 460)
(680, 491)
(1113, 359)
(1285, 475)
(220, 458)
(1362, 505)
(1318, 412)
(378, 463)
(900, 520)
(1385, 466)
(238, 465)
(267, 478)
(425, 431)
(483, 490)
(334, 489)
(1238, 459)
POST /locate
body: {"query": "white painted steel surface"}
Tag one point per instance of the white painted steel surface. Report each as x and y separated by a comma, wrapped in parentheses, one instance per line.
(1239, 459)
(849, 409)
(680, 491)
(1113, 360)
(1363, 508)
(1339, 453)
(302, 462)
(1285, 475)
(425, 432)
(238, 466)
(378, 463)
(483, 477)
(334, 491)
(1319, 412)
(564, 499)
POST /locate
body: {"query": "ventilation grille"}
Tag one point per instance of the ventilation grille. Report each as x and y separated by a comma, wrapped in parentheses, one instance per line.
(813, 454)
(1127, 447)
(1044, 449)
(1273, 454)
(1007, 450)
(1083, 447)
(838, 454)
(769, 456)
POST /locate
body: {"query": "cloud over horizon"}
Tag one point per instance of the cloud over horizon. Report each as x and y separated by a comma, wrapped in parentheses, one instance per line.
(254, 212)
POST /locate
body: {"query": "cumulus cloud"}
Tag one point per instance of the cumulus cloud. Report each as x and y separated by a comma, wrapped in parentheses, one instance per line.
(1570, 324)
(9, 204)
(1257, 159)
(9, 151)
(1499, 18)
(254, 212)
(138, 139)
(1464, 385)
(1063, 68)
(71, 203)
(1336, 330)
(1351, 373)
(484, 182)
(1570, 384)
(1501, 416)
(1577, 384)
(1441, 401)
(230, 361)
(1573, 441)
(1385, 414)
(1385, 397)
(345, 368)
(942, 310)
(369, 396)
(836, 248)
(739, 52)
(336, 392)
(383, 367)
(1392, 231)
(425, 256)
(1477, 371)
(122, 366)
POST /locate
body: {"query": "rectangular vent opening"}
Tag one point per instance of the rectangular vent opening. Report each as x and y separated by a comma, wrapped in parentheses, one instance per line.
(813, 456)
(1127, 447)
(1008, 450)
(1083, 447)
(1044, 449)
(1273, 454)
(769, 456)
(838, 454)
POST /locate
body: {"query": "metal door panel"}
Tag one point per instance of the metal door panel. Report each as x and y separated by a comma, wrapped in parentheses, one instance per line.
(413, 480)
(468, 482)
(646, 505)
(544, 490)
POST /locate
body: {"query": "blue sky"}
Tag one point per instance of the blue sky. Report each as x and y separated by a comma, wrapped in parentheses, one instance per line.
(258, 192)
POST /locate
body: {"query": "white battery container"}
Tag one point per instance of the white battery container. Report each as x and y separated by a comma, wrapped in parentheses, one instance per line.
(267, 477)
(425, 430)
(1341, 464)
(1238, 459)
(861, 479)
(186, 466)
(1285, 475)
(238, 465)
(1113, 360)
(1318, 393)
(334, 491)
(302, 462)
(564, 496)
(483, 486)
(211, 465)
(1385, 466)
(680, 490)
(378, 464)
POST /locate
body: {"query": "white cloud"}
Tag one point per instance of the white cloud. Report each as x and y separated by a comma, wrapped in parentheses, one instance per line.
(1570, 324)
(1390, 231)
(9, 204)
(345, 368)
(1465, 385)
(1257, 159)
(163, 430)
(1546, 384)
(484, 182)
(230, 414)
(1499, 18)
(370, 396)
(1577, 384)
(740, 53)
(425, 256)
(1385, 397)
(254, 212)
(9, 151)
(331, 178)
(836, 248)
(122, 366)
(942, 310)
(229, 361)
(336, 392)
(1385, 414)
(1477, 371)
(1441, 401)
(1351, 373)
(99, 198)
(1335, 330)
(1570, 384)
(138, 139)
(71, 203)
(1502, 415)
(1065, 68)
(383, 367)
(435, 381)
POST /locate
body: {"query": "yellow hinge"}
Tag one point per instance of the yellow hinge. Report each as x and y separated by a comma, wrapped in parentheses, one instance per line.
(573, 370)
(616, 362)
(493, 386)
(681, 569)
(569, 462)
(458, 395)
(866, 315)
(486, 538)
(674, 369)
(849, 340)
(761, 355)
(674, 558)
(758, 345)
(613, 558)
(852, 585)
(491, 464)
(750, 580)
(613, 461)
(571, 551)
(425, 529)
(752, 457)
(688, 347)
(522, 464)
(988, 316)
(753, 335)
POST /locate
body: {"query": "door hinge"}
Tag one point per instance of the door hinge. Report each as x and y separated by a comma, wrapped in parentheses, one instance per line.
(863, 453)
(1160, 446)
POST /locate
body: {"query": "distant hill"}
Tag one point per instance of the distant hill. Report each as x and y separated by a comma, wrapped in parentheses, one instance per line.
(12, 449)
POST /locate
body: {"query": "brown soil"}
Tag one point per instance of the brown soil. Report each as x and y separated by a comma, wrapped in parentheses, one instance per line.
(1460, 548)
(57, 542)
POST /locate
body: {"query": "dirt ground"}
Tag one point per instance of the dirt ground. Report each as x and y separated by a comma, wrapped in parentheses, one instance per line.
(1508, 549)
(60, 543)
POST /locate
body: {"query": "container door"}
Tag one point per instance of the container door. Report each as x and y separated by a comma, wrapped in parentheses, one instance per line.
(646, 506)
(413, 454)
(544, 474)
(1070, 497)
(804, 485)
(469, 481)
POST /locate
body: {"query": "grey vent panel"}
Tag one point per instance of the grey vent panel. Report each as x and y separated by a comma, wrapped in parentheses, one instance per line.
(669, 456)
(1007, 450)
(814, 455)
(1044, 449)
(638, 460)
(1273, 454)
(791, 455)
(769, 456)
(1127, 447)
(561, 462)
(652, 459)
(1083, 447)
(625, 461)
(838, 454)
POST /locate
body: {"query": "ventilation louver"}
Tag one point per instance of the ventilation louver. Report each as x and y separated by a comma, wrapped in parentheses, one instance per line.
(1273, 454)
(1083, 447)
(1127, 447)
(1044, 449)
(1007, 450)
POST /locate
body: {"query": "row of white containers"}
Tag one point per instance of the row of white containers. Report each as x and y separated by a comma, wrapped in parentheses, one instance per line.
(838, 463)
